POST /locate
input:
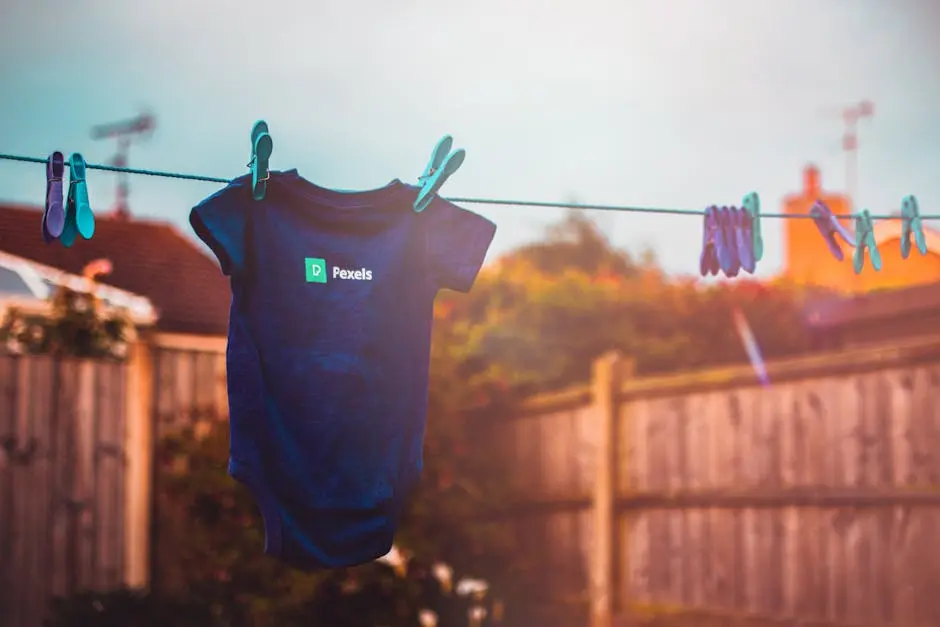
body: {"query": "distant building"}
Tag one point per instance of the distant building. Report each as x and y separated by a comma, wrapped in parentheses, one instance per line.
(153, 259)
(879, 318)
(27, 286)
(807, 259)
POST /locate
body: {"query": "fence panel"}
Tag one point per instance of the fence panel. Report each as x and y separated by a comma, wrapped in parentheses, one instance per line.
(62, 465)
(807, 502)
(189, 387)
(189, 390)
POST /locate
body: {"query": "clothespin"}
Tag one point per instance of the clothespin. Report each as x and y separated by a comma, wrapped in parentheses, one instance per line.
(711, 238)
(751, 205)
(865, 239)
(79, 218)
(829, 227)
(443, 163)
(261, 148)
(744, 239)
(53, 215)
(911, 225)
(727, 243)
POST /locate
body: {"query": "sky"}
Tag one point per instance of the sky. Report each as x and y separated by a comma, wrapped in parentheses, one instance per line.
(666, 103)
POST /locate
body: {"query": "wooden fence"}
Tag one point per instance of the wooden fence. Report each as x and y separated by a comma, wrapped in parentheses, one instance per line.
(76, 466)
(189, 385)
(189, 389)
(696, 499)
(706, 499)
(62, 481)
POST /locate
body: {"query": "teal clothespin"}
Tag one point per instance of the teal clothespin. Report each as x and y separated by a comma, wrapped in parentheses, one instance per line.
(911, 225)
(261, 148)
(865, 238)
(443, 163)
(79, 218)
(751, 204)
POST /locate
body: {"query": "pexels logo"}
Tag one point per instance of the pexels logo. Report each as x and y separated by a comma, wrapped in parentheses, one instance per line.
(352, 275)
(317, 273)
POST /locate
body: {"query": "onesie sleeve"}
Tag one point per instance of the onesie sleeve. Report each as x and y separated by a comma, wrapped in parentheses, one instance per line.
(220, 221)
(457, 241)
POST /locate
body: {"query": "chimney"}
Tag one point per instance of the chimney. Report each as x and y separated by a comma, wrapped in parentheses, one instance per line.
(811, 182)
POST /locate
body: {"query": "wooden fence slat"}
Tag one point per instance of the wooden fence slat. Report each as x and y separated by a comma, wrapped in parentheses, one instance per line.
(119, 378)
(83, 496)
(184, 391)
(203, 388)
(61, 512)
(219, 385)
(166, 405)
(23, 610)
(109, 464)
(39, 486)
(7, 426)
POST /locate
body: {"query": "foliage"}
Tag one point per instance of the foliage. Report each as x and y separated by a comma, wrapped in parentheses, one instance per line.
(211, 535)
(537, 318)
(211, 539)
(77, 326)
(126, 608)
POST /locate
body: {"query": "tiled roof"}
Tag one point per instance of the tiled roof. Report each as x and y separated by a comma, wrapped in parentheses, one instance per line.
(149, 258)
(887, 230)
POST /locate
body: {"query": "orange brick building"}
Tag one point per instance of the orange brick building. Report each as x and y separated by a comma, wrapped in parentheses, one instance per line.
(807, 259)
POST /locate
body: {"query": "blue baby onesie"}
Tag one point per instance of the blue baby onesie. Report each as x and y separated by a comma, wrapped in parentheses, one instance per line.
(328, 351)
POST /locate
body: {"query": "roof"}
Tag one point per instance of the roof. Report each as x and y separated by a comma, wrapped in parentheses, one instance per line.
(887, 230)
(874, 307)
(149, 258)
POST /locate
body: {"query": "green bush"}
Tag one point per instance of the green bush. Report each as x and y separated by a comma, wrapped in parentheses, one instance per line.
(210, 538)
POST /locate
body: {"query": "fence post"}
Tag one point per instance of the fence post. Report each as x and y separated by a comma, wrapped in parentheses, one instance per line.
(139, 451)
(605, 382)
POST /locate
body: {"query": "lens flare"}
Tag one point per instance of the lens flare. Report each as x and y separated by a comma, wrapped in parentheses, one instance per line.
(750, 346)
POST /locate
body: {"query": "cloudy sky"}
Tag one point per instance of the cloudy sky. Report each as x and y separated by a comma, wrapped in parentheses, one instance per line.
(675, 103)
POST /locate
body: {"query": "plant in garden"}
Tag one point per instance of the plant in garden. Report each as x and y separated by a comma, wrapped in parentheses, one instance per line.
(77, 325)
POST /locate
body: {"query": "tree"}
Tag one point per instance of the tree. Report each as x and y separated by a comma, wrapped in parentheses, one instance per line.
(77, 324)
(541, 314)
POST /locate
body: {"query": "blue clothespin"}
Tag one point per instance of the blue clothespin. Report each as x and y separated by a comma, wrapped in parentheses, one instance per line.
(865, 239)
(727, 243)
(744, 239)
(911, 225)
(443, 163)
(829, 227)
(79, 218)
(711, 237)
(261, 148)
(751, 205)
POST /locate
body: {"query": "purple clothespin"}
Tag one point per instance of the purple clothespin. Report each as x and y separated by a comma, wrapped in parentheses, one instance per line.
(53, 217)
(744, 238)
(829, 226)
(727, 245)
(711, 236)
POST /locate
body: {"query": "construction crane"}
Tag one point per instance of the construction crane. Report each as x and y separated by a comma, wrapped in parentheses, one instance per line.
(124, 131)
(851, 116)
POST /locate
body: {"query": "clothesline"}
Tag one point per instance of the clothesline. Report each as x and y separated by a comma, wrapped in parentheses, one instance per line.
(477, 201)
